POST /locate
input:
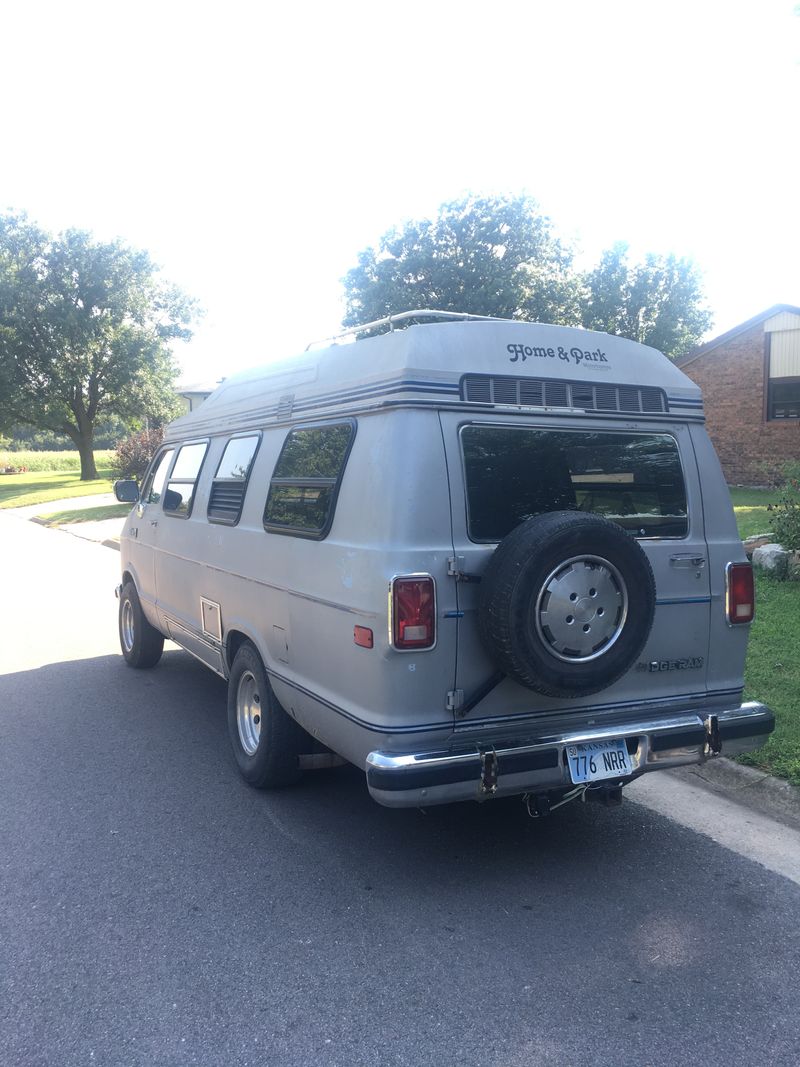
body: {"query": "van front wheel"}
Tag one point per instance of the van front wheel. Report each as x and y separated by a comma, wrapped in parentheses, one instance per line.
(141, 643)
(266, 742)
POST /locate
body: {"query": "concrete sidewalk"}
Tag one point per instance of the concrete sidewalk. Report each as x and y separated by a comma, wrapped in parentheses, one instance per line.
(103, 531)
(72, 503)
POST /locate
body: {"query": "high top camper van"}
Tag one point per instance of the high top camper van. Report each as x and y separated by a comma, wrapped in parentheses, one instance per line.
(472, 557)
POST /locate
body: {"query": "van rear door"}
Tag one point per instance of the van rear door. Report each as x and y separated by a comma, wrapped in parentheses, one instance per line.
(505, 468)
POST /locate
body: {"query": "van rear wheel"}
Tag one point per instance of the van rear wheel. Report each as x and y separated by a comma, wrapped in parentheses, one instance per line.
(266, 742)
(141, 643)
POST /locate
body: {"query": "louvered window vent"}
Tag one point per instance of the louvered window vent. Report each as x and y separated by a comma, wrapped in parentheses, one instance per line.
(544, 392)
(225, 502)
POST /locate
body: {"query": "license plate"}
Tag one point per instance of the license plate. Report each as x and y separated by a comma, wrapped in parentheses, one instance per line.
(596, 760)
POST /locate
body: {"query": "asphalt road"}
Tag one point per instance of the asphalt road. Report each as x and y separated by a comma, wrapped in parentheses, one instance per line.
(154, 910)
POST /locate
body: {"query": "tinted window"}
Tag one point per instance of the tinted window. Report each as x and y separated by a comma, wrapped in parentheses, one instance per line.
(303, 506)
(237, 457)
(187, 465)
(305, 483)
(155, 486)
(226, 499)
(314, 453)
(179, 494)
(512, 473)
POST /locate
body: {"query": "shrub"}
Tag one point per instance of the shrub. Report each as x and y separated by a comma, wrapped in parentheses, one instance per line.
(134, 453)
(786, 513)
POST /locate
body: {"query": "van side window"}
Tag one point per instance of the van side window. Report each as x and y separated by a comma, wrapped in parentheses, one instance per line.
(154, 486)
(230, 482)
(179, 495)
(306, 479)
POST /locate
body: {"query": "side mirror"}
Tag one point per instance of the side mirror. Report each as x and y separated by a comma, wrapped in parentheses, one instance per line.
(126, 491)
(172, 500)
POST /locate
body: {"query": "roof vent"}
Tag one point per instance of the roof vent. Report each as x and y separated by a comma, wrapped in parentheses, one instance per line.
(545, 392)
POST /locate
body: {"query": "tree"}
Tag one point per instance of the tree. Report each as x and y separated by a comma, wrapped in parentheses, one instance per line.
(85, 330)
(486, 256)
(657, 302)
(499, 256)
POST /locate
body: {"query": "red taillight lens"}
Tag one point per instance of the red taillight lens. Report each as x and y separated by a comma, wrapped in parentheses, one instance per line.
(413, 613)
(741, 599)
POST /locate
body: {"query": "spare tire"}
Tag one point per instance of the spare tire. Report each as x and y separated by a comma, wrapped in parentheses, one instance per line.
(566, 603)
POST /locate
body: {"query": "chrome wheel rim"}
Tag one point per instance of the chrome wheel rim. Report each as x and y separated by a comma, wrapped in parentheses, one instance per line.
(581, 609)
(248, 712)
(127, 629)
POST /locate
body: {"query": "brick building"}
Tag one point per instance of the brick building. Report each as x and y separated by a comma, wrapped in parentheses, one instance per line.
(750, 377)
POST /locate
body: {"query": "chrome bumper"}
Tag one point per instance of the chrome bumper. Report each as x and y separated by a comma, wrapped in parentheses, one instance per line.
(537, 764)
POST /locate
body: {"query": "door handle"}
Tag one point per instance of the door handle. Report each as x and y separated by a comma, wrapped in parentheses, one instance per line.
(689, 561)
(154, 522)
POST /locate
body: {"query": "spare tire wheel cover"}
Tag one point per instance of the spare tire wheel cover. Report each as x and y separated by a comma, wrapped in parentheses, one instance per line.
(566, 603)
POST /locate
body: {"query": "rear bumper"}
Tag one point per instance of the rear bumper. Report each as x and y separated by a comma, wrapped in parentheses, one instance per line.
(537, 764)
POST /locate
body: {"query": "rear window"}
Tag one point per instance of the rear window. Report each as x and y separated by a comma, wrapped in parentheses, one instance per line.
(512, 473)
(306, 479)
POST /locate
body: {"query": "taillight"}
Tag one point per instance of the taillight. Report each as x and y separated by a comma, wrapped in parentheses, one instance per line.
(412, 603)
(740, 594)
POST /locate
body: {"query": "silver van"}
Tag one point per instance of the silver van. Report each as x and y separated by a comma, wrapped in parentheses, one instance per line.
(472, 557)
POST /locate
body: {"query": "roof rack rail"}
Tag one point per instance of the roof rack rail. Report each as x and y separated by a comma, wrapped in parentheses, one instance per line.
(390, 321)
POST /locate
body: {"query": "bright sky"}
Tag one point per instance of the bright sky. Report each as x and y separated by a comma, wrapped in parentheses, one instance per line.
(254, 149)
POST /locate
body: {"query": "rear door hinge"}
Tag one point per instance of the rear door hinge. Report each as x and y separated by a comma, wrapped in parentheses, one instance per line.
(455, 569)
(455, 699)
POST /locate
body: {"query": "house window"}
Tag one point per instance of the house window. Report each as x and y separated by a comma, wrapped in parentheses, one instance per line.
(306, 480)
(230, 482)
(179, 496)
(784, 398)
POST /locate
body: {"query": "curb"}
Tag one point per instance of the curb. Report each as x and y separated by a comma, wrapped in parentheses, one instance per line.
(108, 542)
(746, 786)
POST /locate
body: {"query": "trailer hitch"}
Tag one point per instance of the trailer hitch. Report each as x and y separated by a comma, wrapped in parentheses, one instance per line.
(489, 772)
(713, 737)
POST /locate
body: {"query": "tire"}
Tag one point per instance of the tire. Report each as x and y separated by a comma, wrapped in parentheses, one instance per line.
(266, 742)
(566, 603)
(141, 643)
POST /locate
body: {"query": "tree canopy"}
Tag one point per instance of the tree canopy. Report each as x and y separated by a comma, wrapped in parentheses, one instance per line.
(500, 256)
(486, 256)
(657, 302)
(85, 332)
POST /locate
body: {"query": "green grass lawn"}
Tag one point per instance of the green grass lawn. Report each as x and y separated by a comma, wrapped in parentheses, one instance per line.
(750, 508)
(103, 511)
(52, 461)
(773, 674)
(36, 487)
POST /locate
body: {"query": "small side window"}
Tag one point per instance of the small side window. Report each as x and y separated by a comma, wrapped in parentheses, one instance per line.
(179, 494)
(305, 483)
(154, 486)
(230, 482)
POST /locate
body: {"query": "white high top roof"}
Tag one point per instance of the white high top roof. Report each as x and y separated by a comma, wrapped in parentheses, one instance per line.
(425, 364)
